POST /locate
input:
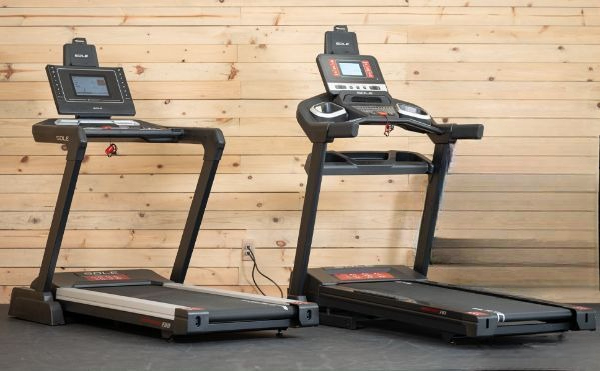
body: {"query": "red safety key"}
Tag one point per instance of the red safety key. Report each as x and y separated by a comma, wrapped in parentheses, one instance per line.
(111, 150)
(388, 126)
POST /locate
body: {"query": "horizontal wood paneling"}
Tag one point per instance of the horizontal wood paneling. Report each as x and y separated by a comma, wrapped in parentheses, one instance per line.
(432, 72)
(455, 53)
(315, 3)
(286, 108)
(285, 219)
(525, 276)
(282, 34)
(287, 127)
(298, 16)
(502, 201)
(295, 183)
(520, 210)
(295, 90)
(144, 239)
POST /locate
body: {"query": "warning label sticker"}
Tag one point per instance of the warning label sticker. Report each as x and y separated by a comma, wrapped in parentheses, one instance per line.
(363, 276)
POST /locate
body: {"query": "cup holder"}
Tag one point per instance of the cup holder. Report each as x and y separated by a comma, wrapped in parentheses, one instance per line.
(328, 110)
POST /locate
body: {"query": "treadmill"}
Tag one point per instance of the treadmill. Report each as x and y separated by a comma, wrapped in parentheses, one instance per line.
(140, 296)
(347, 296)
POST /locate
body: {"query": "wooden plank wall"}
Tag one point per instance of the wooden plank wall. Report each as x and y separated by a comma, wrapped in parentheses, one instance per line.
(521, 206)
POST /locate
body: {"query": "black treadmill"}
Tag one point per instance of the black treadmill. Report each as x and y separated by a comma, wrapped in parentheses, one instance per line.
(140, 297)
(357, 95)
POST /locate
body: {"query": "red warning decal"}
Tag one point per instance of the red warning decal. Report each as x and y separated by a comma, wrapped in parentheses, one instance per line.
(335, 71)
(433, 310)
(580, 307)
(362, 276)
(155, 322)
(368, 71)
(478, 314)
(107, 277)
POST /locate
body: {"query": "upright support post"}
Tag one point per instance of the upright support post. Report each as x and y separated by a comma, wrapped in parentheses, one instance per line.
(194, 219)
(214, 143)
(75, 154)
(36, 303)
(307, 223)
(442, 155)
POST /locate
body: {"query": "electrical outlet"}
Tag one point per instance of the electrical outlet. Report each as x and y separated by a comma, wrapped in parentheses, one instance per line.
(247, 247)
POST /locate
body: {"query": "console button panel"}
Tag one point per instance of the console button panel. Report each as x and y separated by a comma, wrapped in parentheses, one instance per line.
(376, 109)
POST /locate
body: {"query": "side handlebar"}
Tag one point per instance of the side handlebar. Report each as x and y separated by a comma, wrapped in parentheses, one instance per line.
(212, 140)
(343, 130)
(464, 131)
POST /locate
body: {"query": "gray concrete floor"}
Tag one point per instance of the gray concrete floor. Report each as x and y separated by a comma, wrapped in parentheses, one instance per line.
(83, 346)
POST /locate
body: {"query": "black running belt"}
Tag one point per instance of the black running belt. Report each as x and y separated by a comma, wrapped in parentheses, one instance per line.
(221, 307)
(430, 294)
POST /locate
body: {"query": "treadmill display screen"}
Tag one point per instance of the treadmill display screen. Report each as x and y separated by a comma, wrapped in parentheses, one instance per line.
(90, 86)
(351, 69)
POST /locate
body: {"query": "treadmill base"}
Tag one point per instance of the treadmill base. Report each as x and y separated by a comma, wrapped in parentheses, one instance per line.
(345, 320)
(350, 296)
(30, 305)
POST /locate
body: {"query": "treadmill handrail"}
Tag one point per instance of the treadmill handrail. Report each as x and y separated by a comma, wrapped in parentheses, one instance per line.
(327, 130)
(75, 138)
(212, 139)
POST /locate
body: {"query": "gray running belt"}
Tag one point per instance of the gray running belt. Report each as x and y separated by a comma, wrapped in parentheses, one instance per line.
(221, 308)
(462, 301)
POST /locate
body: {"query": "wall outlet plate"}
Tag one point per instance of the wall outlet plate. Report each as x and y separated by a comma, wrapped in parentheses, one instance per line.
(247, 247)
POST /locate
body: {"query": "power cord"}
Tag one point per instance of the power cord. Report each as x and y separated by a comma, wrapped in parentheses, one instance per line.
(256, 269)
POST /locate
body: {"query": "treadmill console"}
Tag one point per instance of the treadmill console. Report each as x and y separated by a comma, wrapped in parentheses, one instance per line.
(90, 91)
(82, 88)
(356, 88)
(358, 74)
(94, 94)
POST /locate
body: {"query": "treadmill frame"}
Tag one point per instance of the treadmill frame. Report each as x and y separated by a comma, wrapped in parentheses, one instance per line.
(36, 303)
(176, 319)
(340, 302)
(314, 283)
(442, 156)
(50, 294)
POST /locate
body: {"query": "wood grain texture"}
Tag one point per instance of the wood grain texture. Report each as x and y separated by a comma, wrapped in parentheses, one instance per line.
(521, 206)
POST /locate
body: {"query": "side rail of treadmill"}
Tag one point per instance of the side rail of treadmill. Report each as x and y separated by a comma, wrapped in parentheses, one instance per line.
(305, 314)
(582, 317)
(179, 320)
(473, 323)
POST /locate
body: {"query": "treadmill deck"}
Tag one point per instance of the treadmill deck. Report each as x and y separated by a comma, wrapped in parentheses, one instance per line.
(220, 307)
(457, 300)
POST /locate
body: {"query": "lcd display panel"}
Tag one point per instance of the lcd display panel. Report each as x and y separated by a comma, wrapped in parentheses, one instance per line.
(90, 86)
(351, 69)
